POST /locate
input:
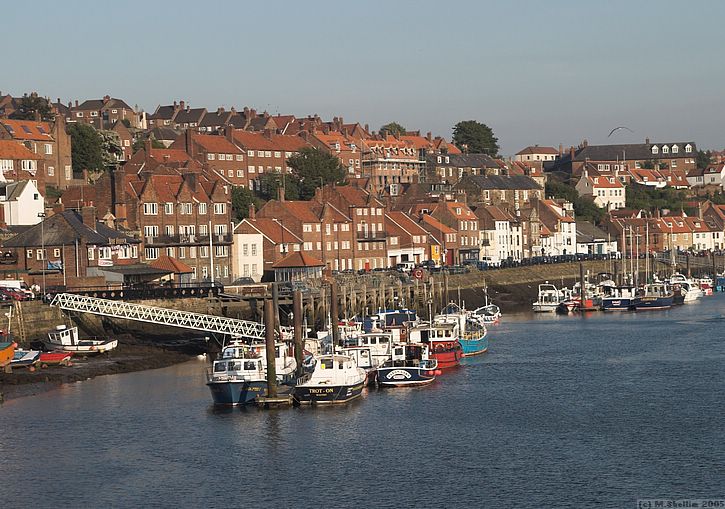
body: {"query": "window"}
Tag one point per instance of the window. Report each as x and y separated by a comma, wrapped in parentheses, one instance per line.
(203, 230)
(254, 249)
(28, 165)
(202, 208)
(688, 148)
(220, 208)
(230, 173)
(48, 149)
(240, 157)
(187, 208)
(40, 254)
(204, 252)
(250, 153)
(675, 149)
(267, 153)
(169, 230)
(68, 172)
(79, 114)
(91, 253)
(277, 154)
(307, 228)
(151, 231)
(150, 209)
(114, 111)
(126, 143)
(192, 252)
(51, 171)
(94, 113)
(655, 149)
(29, 253)
(240, 173)
(151, 253)
(251, 169)
(104, 253)
(210, 157)
(230, 157)
(245, 249)
(168, 208)
(308, 246)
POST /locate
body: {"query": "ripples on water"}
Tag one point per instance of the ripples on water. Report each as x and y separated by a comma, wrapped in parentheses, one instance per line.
(563, 412)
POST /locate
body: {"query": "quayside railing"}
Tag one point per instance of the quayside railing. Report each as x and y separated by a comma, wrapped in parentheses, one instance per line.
(161, 316)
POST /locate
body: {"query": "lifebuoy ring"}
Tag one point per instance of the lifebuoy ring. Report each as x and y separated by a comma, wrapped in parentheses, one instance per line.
(418, 273)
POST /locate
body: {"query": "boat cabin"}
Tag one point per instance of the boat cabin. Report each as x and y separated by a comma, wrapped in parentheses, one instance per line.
(63, 335)
(436, 332)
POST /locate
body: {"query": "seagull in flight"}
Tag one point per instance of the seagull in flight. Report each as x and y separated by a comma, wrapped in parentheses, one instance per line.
(617, 129)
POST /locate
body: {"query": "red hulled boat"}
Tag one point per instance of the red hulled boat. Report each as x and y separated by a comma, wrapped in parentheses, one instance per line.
(442, 341)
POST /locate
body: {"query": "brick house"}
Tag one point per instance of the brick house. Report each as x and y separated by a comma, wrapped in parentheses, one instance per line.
(49, 140)
(444, 248)
(461, 218)
(103, 113)
(189, 118)
(509, 192)
(164, 116)
(346, 148)
(216, 153)
(607, 191)
(18, 163)
(126, 140)
(451, 168)
(73, 242)
(389, 161)
(407, 240)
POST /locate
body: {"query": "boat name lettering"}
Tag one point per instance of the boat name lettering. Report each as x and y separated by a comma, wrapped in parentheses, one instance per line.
(321, 391)
(397, 374)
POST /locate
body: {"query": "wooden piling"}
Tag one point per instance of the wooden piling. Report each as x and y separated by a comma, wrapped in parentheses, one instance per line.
(269, 327)
(334, 314)
(297, 324)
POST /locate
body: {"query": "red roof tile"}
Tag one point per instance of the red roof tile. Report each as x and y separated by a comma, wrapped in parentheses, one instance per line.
(297, 259)
(164, 262)
(28, 129)
(10, 149)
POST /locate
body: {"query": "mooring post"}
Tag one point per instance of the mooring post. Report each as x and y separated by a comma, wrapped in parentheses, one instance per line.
(334, 314)
(297, 323)
(687, 260)
(275, 301)
(269, 327)
(582, 288)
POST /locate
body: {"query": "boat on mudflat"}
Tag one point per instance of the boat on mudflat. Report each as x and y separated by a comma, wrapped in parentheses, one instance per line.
(66, 339)
(24, 358)
(410, 365)
(336, 379)
(7, 352)
(490, 313)
(50, 358)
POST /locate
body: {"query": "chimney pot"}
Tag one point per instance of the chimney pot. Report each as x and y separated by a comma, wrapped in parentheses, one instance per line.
(646, 140)
(252, 211)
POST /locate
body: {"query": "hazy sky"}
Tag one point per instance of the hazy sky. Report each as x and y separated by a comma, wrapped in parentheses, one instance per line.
(545, 72)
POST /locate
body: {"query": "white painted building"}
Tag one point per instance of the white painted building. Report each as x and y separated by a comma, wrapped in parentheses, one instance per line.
(607, 191)
(248, 255)
(22, 203)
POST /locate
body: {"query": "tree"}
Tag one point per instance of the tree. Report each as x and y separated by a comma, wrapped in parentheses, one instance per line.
(242, 198)
(584, 208)
(393, 128)
(31, 106)
(139, 143)
(313, 168)
(86, 148)
(111, 148)
(476, 138)
(704, 159)
(270, 183)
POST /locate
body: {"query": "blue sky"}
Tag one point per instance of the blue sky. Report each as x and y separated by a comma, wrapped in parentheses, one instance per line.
(545, 72)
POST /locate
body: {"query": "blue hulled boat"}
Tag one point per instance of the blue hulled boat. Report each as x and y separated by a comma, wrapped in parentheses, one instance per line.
(655, 296)
(240, 375)
(471, 329)
(408, 366)
(618, 298)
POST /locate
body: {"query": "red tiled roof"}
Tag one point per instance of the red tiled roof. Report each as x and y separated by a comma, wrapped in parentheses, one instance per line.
(171, 155)
(466, 213)
(297, 259)
(538, 150)
(170, 264)
(28, 129)
(274, 230)
(407, 222)
(604, 182)
(212, 143)
(437, 225)
(10, 149)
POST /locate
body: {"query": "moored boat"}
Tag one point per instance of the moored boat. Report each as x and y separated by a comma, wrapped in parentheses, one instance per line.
(548, 298)
(336, 379)
(66, 339)
(490, 313)
(442, 341)
(471, 329)
(619, 298)
(654, 296)
(410, 365)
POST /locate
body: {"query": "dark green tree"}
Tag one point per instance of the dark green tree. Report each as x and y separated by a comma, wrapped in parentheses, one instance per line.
(393, 128)
(648, 198)
(138, 144)
(584, 208)
(704, 159)
(475, 138)
(86, 148)
(314, 168)
(270, 183)
(31, 106)
(242, 198)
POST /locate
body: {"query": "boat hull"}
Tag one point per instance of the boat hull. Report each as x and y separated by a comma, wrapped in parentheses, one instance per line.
(473, 347)
(545, 308)
(447, 357)
(652, 303)
(407, 376)
(84, 347)
(322, 395)
(620, 304)
(236, 392)
(55, 357)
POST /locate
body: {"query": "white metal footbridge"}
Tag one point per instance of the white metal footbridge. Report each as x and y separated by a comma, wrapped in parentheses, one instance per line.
(160, 316)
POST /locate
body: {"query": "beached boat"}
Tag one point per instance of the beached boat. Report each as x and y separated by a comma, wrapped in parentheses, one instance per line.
(410, 365)
(336, 379)
(66, 339)
(442, 340)
(7, 352)
(51, 358)
(654, 296)
(240, 373)
(24, 358)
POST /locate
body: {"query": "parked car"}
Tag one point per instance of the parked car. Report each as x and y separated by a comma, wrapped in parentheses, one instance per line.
(405, 266)
(13, 294)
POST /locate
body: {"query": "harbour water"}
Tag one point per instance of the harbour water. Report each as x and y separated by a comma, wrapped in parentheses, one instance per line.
(595, 411)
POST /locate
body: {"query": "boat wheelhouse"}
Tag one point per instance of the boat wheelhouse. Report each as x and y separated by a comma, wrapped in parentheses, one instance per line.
(66, 339)
(335, 379)
(442, 341)
(409, 365)
(548, 298)
(654, 296)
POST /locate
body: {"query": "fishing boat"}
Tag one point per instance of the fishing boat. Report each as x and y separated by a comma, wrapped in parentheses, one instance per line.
(336, 379)
(66, 339)
(370, 351)
(548, 298)
(618, 298)
(240, 374)
(705, 284)
(442, 340)
(7, 352)
(490, 313)
(410, 365)
(24, 358)
(654, 296)
(470, 326)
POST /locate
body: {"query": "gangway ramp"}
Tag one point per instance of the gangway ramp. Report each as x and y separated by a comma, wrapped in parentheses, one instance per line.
(160, 316)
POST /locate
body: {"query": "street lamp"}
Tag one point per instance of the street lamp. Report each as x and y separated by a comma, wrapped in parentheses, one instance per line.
(42, 216)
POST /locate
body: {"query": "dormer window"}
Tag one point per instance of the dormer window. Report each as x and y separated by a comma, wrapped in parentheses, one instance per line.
(458, 210)
(675, 149)
(655, 149)
(665, 149)
(688, 148)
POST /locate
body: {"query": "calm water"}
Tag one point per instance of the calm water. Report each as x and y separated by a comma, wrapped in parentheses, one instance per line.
(563, 412)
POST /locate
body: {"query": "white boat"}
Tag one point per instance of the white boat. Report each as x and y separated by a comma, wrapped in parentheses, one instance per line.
(687, 287)
(23, 358)
(490, 313)
(239, 376)
(549, 298)
(336, 379)
(66, 339)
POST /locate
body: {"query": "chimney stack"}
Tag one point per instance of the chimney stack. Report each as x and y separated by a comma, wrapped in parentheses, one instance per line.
(189, 143)
(561, 150)
(281, 194)
(147, 149)
(182, 105)
(646, 140)
(252, 211)
(190, 179)
(88, 214)
(229, 133)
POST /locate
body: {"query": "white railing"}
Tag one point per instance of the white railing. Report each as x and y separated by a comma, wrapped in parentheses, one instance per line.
(161, 316)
